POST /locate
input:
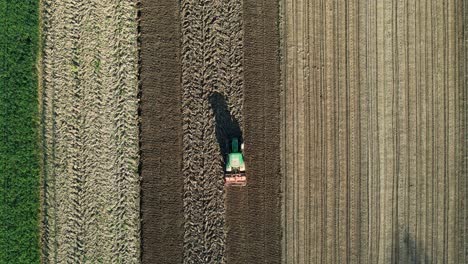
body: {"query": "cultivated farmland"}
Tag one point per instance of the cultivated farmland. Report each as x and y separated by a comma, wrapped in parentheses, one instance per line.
(374, 132)
(19, 166)
(90, 211)
(201, 91)
(162, 212)
(369, 120)
(353, 115)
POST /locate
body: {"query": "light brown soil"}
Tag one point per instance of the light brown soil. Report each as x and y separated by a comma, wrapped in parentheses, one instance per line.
(374, 132)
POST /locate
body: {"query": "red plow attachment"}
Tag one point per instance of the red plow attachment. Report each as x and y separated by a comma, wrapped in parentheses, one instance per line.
(235, 180)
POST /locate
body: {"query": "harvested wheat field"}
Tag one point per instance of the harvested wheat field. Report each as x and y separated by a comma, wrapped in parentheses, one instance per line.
(374, 131)
(90, 211)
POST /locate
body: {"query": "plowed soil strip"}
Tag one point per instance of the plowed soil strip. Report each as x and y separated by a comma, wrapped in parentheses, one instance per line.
(90, 132)
(253, 212)
(203, 201)
(212, 113)
(161, 133)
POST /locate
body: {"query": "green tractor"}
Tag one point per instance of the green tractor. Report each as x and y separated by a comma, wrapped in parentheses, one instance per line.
(235, 166)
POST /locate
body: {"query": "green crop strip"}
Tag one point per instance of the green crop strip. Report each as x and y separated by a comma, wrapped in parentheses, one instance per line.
(19, 165)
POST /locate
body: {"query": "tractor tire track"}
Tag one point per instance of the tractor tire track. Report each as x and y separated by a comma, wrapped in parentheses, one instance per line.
(49, 205)
(192, 96)
(63, 99)
(76, 138)
(125, 134)
(91, 196)
(91, 80)
(203, 200)
(231, 56)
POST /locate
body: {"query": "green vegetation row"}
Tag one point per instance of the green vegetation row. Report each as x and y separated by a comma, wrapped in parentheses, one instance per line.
(19, 166)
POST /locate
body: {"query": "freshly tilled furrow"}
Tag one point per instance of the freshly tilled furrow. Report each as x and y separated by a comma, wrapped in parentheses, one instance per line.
(90, 210)
(162, 214)
(204, 234)
(252, 212)
(211, 74)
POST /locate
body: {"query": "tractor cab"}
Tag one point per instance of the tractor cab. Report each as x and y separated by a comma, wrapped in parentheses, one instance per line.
(235, 167)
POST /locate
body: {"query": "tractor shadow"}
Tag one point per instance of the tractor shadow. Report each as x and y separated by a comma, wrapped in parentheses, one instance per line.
(227, 126)
(415, 252)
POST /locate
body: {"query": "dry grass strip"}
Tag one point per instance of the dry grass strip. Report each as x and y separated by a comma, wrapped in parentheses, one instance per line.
(90, 132)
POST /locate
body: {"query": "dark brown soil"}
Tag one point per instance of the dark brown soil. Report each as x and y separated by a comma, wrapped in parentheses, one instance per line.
(253, 212)
(161, 133)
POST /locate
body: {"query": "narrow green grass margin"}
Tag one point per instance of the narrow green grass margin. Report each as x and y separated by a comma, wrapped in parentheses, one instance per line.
(19, 163)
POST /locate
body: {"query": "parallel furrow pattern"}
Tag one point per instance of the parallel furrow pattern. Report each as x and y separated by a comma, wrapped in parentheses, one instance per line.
(49, 204)
(90, 132)
(230, 47)
(211, 70)
(374, 131)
